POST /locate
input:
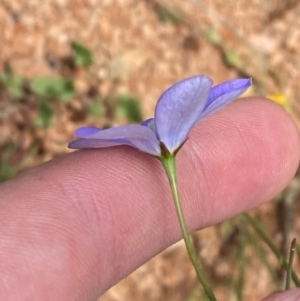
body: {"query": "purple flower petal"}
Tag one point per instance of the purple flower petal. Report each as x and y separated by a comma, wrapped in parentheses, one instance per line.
(179, 108)
(146, 122)
(138, 136)
(223, 94)
(94, 143)
(86, 130)
(150, 124)
(177, 111)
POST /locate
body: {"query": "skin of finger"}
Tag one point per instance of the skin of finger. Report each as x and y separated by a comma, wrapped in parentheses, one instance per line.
(290, 295)
(74, 226)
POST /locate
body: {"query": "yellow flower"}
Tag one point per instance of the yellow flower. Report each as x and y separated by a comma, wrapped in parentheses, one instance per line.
(281, 99)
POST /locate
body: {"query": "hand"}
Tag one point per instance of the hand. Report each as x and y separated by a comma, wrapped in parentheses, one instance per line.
(75, 226)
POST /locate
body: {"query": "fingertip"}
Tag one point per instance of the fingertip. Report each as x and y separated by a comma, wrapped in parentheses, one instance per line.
(242, 156)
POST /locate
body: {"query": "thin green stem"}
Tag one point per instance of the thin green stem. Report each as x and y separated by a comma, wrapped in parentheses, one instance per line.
(283, 262)
(170, 168)
(290, 265)
(257, 244)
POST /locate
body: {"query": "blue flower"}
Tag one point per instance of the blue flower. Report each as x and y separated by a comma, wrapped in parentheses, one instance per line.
(178, 109)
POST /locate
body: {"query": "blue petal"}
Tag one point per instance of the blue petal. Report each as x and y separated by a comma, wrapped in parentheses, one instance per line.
(138, 136)
(147, 121)
(150, 124)
(179, 108)
(223, 94)
(95, 143)
(86, 130)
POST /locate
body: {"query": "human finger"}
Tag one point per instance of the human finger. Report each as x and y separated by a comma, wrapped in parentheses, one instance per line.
(82, 222)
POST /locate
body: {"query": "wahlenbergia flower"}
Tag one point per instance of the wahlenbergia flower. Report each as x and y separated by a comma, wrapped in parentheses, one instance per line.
(178, 109)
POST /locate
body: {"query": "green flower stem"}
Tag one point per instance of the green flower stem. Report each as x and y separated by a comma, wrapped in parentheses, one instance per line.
(170, 168)
(290, 265)
(283, 262)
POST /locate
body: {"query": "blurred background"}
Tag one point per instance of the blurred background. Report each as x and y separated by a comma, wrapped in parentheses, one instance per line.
(68, 63)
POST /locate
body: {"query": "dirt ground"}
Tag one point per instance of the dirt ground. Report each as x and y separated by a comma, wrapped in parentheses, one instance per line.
(141, 48)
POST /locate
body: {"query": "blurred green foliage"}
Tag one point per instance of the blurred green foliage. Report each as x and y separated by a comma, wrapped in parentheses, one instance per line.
(173, 16)
(239, 241)
(14, 157)
(128, 107)
(83, 57)
(232, 59)
(45, 93)
(53, 88)
(213, 36)
(241, 263)
(12, 83)
(46, 112)
(49, 89)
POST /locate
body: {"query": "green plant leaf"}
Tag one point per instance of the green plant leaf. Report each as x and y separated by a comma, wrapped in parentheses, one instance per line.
(45, 117)
(13, 83)
(233, 59)
(82, 55)
(53, 88)
(168, 16)
(16, 88)
(129, 107)
(241, 256)
(213, 36)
